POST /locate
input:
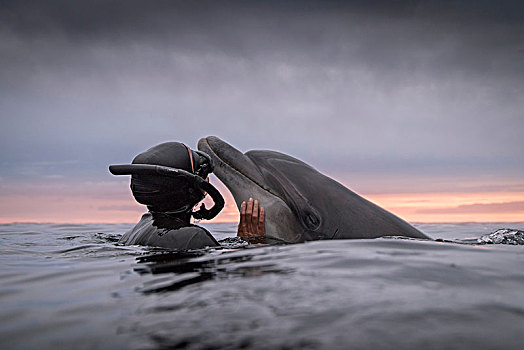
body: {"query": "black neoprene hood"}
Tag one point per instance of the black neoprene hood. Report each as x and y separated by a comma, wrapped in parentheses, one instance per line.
(176, 155)
(170, 177)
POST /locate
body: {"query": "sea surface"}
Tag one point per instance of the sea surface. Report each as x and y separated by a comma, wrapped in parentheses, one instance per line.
(72, 287)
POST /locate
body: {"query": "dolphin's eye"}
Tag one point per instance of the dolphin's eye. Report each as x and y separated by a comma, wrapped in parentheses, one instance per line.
(312, 221)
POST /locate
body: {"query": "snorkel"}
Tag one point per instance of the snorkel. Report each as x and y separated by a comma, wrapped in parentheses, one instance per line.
(161, 167)
(198, 183)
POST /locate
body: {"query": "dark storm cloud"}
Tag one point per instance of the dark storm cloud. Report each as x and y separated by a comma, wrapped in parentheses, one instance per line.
(132, 16)
(374, 85)
(317, 30)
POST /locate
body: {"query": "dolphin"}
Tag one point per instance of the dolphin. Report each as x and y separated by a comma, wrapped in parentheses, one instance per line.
(301, 204)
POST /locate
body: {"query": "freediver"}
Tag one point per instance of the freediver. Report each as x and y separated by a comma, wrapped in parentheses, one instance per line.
(170, 179)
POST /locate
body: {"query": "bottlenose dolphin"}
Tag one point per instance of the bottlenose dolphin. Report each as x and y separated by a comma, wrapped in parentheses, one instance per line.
(301, 203)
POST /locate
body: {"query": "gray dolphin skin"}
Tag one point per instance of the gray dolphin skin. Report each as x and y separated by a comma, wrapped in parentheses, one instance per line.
(301, 204)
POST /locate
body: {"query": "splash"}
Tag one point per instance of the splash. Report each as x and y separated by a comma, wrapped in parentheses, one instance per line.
(503, 236)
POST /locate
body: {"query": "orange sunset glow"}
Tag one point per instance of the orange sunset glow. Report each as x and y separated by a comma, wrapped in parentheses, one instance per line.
(112, 202)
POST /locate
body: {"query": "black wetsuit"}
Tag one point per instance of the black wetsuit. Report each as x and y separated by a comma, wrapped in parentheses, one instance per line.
(162, 230)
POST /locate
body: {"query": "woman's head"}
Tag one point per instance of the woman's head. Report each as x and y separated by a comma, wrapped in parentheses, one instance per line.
(168, 194)
(171, 178)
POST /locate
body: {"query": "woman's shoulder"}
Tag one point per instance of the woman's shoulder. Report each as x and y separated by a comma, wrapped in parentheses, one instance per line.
(183, 238)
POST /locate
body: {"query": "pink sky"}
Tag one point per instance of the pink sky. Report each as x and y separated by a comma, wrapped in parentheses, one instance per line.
(112, 202)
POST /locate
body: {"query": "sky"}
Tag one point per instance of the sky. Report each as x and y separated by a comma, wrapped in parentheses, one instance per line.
(415, 105)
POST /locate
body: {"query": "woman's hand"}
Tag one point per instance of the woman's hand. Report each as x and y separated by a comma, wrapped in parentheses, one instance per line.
(251, 220)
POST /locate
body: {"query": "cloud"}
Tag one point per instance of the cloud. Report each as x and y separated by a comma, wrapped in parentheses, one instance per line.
(375, 86)
(479, 208)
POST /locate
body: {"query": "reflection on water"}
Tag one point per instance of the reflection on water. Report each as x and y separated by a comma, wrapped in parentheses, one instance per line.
(187, 268)
(71, 286)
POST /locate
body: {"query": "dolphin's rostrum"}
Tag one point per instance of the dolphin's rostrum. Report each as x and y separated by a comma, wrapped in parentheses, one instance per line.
(300, 203)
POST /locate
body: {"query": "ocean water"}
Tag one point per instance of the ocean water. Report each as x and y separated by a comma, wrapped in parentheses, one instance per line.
(73, 287)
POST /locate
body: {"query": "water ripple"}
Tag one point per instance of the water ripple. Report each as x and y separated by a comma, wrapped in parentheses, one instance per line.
(72, 286)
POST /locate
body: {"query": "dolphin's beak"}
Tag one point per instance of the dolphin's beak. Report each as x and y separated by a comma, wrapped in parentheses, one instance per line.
(224, 155)
(244, 179)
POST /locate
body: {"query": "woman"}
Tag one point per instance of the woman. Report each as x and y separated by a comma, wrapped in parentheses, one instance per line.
(170, 179)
